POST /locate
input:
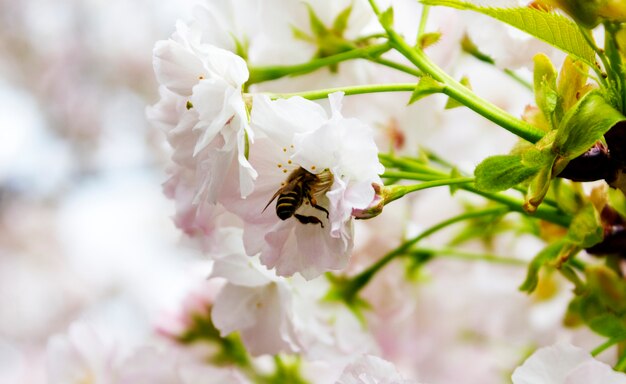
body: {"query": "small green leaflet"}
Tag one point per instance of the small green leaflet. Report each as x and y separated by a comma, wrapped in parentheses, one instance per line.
(554, 29)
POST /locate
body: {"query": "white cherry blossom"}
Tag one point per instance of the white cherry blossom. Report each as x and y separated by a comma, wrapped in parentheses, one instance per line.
(274, 314)
(79, 357)
(299, 136)
(211, 133)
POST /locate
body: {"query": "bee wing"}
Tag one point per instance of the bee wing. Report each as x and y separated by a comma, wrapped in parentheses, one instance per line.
(272, 199)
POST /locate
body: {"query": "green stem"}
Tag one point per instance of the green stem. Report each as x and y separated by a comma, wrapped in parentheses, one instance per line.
(621, 363)
(359, 281)
(544, 212)
(513, 75)
(606, 345)
(351, 90)
(410, 176)
(403, 190)
(423, 21)
(550, 214)
(261, 74)
(592, 43)
(615, 61)
(458, 91)
(398, 66)
(463, 255)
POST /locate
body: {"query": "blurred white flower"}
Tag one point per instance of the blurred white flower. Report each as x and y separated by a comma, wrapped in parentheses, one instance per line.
(170, 366)
(370, 369)
(79, 357)
(325, 167)
(509, 47)
(563, 363)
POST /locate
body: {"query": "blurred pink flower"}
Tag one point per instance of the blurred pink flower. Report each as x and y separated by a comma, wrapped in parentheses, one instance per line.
(370, 369)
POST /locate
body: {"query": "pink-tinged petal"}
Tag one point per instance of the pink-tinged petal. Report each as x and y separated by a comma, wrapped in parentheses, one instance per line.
(258, 314)
(210, 99)
(370, 369)
(319, 149)
(166, 113)
(358, 157)
(198, 374)
(595, 372)
(183, 139)
(273, 332)
(277, 240)
(281, 119)
(78, 357)
(64, 363)
(336, 102)
(552, 365)
(318, 252)
(247, 174)
(176, 68)
(241, 270)
(233, 308)
(270, 162)
(226, 65)
(213, 167)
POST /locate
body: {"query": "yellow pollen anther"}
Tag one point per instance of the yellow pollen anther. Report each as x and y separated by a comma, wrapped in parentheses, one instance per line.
(200, 77)
(284, 149)
(288, 161)
(313, 167)
(280, 165)
(284, 171)
(291, 145)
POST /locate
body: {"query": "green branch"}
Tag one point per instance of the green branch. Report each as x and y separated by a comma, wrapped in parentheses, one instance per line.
(351, 90)
(469, 256)
(458, 91)
(261, 74)
(355, 284)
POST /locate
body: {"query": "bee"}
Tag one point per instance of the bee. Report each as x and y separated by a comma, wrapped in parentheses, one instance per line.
(301, 186)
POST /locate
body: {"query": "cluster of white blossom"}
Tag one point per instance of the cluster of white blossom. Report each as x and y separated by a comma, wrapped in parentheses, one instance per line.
(269, 188)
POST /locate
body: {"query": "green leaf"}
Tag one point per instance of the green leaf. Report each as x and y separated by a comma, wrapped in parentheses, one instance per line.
(538, 189)
(584, 124)
(428, 39)
(498, 173)
(453, 103)
(603, 306)
(550, 27)
(386, 18)
(299, 34)
(548, 255)
(546, 96)
(572, 79)
(341, 21)
(317, 26)
(470, 47)
(426, 86)
(585, 230)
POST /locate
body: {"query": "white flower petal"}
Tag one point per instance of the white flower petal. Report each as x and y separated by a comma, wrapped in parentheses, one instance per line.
(559, 364)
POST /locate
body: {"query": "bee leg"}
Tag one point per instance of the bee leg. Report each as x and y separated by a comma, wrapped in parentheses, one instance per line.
(308, 219)
(313, 202)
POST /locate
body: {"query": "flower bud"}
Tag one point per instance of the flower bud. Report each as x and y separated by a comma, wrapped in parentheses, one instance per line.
(375, 207)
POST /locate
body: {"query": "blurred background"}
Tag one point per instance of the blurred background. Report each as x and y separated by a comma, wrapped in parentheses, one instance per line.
(85, 231)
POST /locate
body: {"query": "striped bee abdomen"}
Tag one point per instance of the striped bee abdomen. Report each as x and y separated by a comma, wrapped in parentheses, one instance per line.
(288, 203)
